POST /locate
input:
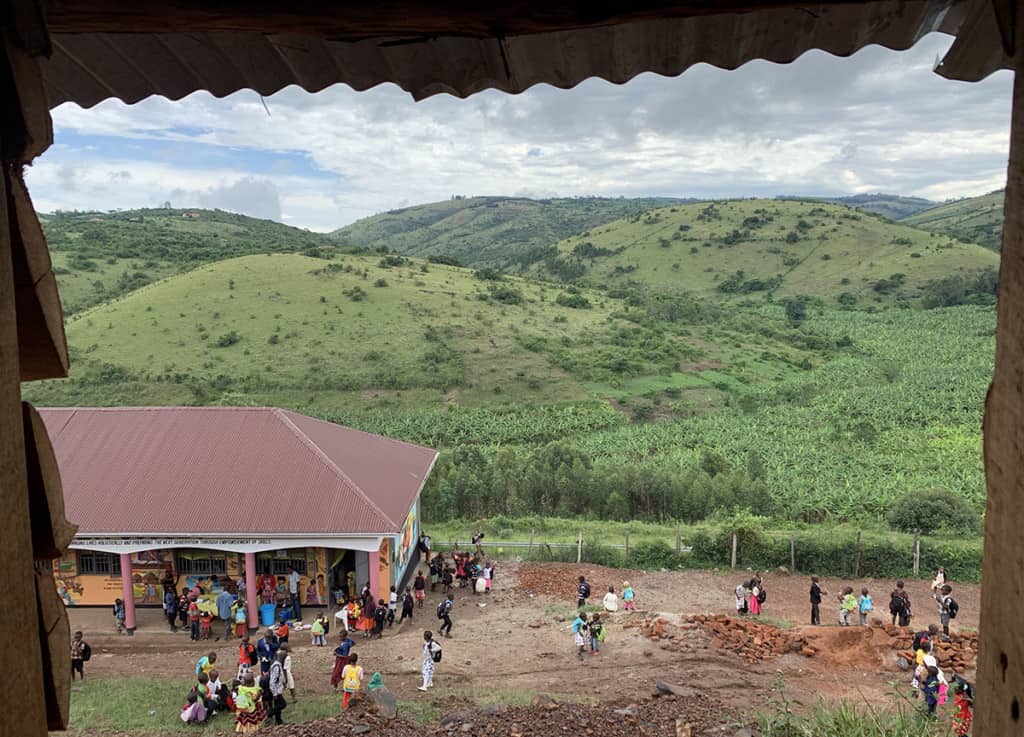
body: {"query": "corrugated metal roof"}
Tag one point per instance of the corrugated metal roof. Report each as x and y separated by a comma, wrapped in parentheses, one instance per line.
(89, 67)
(196, 470)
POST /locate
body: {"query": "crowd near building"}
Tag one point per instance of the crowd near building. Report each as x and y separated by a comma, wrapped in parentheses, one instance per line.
(221, 496)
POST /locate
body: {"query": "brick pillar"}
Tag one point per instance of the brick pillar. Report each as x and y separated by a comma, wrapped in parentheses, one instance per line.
(128, 593)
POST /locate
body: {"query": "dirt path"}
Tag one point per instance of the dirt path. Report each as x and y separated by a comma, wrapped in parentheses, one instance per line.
(514, 643)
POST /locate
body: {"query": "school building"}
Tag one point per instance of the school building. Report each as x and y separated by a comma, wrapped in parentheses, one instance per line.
(232, 492)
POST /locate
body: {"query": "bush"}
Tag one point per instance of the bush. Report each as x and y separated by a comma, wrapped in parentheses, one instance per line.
(929, 509)
(655, 554)
(575, 301)
(228, 339)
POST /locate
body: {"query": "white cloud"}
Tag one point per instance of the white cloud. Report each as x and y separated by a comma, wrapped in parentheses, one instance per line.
(878, 121)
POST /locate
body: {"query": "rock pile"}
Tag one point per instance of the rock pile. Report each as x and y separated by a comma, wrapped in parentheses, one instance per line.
(957, 655)
(752, 640)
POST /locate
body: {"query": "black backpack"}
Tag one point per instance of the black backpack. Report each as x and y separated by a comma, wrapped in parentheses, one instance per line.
(441, 610)
(922, 641)
(86, 652)
(435, 654)
(953, 608)
(762, 596)
(585, 590)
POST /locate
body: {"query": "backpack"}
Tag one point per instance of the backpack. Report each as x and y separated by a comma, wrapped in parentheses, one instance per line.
(435, 652)
(441, 610)
(762, 596)
(86, 652)
(922, 641)
(352, 682)
(953, 608)
(597, 632)
(585, 590)
(897, 602)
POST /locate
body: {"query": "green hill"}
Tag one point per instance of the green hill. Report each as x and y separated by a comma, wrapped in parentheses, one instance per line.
(786, 247)
(893, 207)
(361, 331)
(488, 231)
(98, 256)
(973, 220)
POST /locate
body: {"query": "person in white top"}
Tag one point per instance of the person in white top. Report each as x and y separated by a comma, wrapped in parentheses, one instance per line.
(611, 601)
(293, 593)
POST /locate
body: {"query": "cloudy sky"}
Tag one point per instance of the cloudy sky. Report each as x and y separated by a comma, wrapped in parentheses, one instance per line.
(880, 121)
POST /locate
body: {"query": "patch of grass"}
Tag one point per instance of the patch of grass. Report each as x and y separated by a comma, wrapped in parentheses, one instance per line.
(780, 622)
(150, 705)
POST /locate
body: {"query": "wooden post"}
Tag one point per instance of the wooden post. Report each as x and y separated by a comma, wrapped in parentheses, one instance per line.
(733, 550)
(579, 547)
(856, 563)
(627, 544)
(22, 655)
(529, 550)
(1001, 652)
(679, 542)
(792, 555)
(917, 554)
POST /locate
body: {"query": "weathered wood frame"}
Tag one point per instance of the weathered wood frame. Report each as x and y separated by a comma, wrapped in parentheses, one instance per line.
(32, 341)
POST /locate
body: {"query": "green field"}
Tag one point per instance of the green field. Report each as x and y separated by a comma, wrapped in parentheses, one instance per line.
(974, 220)
(744, 247)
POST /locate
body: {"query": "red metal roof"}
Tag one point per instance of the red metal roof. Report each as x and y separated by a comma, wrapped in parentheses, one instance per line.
(230, 470)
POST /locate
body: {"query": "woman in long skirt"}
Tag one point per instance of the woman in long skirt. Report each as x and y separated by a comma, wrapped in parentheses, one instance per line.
(249, 711)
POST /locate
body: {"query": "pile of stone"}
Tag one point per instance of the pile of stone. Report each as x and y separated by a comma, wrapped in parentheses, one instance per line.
(752, 640)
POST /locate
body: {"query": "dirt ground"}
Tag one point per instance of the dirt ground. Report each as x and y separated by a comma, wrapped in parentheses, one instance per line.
(517, 641)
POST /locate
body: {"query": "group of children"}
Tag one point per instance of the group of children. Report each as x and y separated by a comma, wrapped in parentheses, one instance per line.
(929, 679)
(588, 632)
(469, 569)
(751, 596)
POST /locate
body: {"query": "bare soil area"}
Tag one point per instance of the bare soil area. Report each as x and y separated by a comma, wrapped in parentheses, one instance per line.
(516, 642)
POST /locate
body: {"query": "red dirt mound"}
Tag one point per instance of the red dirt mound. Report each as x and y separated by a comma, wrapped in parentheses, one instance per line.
(561, 579)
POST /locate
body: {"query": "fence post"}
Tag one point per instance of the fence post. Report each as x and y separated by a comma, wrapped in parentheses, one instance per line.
(627, 544)
(734, 550)
(917, 554)
(679, 542)
(530, 549)
(579, 547)
(856, 565)
(792, 555)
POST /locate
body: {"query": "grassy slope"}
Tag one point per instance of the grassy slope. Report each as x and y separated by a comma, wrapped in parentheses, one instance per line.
(93, 251)
(890, 206)
(976, 219)
(487, 231)
(685, 247)
(424, 340)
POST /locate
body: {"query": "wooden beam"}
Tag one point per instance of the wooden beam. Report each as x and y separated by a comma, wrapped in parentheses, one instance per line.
(351, 21)
(24, 694)
(1001, 652)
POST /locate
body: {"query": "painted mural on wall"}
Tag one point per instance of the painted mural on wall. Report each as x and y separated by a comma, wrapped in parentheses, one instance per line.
(408, 539)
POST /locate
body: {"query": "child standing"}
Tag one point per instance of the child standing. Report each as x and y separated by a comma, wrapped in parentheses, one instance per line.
(847, 605)
(317, 630)
(611, 601)
(431, 656)
(246, 657)
(741, 598)
(488, 574)
(119, 615)
(579, 631)
(392, 606)
(351, 679)
(596, 634)
(378, 618)
(930, 689)
(816, 594)
(286, 664)
(628, 597)
(205, 623)
(419, 586)
(193, 619)
(282, 631)
(341, 657)
(755, 596)
(962, 703)
(80, 652)
(899, 605)
(241, 623)
(865, 607)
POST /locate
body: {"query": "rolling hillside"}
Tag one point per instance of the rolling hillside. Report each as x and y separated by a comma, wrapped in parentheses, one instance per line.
(740, 247)
(974, 220)
(891, 206)
(98, 256)
(361, 331)
(488, 231)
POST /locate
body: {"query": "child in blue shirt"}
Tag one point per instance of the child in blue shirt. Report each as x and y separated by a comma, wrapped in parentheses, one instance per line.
(930, 689)
(866, 606)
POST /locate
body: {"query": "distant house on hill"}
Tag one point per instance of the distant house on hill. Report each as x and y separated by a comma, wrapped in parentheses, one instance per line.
(191, 214)
(235, 493)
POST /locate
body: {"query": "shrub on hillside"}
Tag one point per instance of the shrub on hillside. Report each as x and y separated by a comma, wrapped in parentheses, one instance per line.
(575, 301)
(654, 554)
(930, 509)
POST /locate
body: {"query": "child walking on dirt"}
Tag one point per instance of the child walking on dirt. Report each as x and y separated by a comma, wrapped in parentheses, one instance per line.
(579, 632)
(628, 597)
(847, 605)
(286, 664)
(119, 615)
(431, 656)
(596, 634)
(419, 586)
(899, 605)
(865, 606)
(351, 679)
(816, 593)
(80, 652)
(341, 658)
